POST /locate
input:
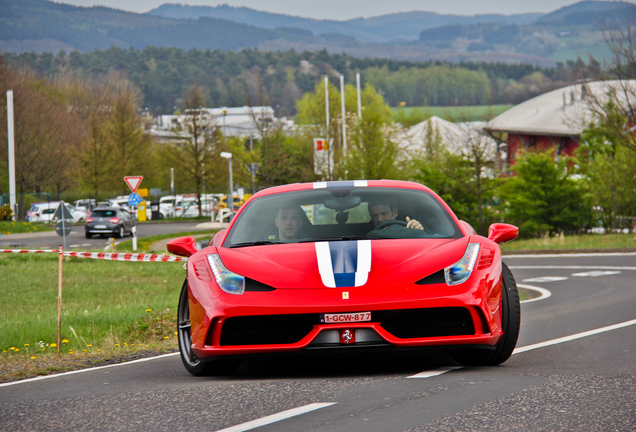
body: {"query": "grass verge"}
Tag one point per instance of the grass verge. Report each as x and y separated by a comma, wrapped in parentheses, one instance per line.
(18, 227)
(109, 309)
(572, 243)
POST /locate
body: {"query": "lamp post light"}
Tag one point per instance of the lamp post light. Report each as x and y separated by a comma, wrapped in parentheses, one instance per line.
(230, 197)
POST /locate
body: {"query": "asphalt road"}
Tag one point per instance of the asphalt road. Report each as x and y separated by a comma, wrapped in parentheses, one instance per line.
(573, 370)
(77, 241)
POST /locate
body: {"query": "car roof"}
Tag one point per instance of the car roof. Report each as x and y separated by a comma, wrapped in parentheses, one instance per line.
(343, 184)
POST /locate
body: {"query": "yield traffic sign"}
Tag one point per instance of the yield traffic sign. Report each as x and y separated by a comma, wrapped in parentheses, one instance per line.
(133, 182)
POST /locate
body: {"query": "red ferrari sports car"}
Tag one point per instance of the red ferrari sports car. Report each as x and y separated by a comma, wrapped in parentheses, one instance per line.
(349, 266)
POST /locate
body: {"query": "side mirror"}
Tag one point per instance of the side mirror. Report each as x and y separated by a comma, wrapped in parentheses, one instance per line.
(183, 246)
(501, 232)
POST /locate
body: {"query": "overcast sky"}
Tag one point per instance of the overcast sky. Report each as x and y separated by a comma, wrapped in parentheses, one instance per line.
(347, 9)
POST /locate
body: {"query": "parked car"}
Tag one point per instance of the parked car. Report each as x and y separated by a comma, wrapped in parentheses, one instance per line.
(190, 208)
(340, 267)
(84, 204)
(115, 221)
(168, 203)
(44, 211)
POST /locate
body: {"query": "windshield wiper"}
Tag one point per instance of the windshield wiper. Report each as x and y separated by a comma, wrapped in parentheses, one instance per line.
(338, 238)
(256, 243)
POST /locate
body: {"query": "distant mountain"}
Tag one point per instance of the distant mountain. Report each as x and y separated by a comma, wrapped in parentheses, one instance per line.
(589, 12)
(404, 26)
(45, 26)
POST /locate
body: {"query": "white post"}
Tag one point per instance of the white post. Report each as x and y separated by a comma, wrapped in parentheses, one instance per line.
(230, 197)
(172, 181)
(327, 105)
(344, 126)
(327, 125)
(12, 195)
(359, 99)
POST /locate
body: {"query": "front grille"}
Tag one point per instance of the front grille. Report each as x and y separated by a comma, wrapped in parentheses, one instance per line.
(289, 329)
(421, 323)
(267, 329)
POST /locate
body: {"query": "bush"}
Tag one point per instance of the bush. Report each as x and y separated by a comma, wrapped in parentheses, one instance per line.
(6, 213)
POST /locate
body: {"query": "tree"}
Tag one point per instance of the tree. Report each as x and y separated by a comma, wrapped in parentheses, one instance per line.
(371, 151)
(44, 132)
(615, 109)
(199, 145)
(479, 153)
(609, 168)
(124, 129)
(543, 198)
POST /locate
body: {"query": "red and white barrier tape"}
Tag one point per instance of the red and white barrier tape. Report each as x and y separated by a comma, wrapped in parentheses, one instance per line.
(139, 257)
(125, 256)
(27, 251)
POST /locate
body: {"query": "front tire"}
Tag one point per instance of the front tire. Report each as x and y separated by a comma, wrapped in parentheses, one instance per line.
(510, 323)
(189, 359)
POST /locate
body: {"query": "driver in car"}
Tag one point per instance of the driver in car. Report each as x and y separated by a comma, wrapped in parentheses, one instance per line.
(387, 211)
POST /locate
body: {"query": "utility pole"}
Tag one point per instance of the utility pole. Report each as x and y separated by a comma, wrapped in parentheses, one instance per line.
(12, 195)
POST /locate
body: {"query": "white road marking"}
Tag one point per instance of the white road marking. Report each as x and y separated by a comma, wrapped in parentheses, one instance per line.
(603, 254)
(574, 336)
(546, 279)
(28, 380)
(276, 417)
(572, 267)
(435, 372)
(544, 293)
(596, 273)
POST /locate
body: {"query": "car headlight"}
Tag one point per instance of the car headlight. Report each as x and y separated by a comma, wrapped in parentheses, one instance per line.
(461, 270)
(229, 282)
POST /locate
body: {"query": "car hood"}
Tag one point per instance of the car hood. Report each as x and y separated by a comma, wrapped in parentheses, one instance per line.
(343, 263)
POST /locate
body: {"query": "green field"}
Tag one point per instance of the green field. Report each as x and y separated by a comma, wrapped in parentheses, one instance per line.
(456, 114)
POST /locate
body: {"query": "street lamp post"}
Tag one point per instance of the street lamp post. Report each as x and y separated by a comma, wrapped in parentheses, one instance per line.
(230, 197)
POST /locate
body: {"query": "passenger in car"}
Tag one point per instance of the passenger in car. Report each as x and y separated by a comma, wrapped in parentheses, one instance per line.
(382, 211)
(288, 221)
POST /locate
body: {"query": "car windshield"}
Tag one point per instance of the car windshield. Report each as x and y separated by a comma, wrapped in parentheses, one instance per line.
(340, 214)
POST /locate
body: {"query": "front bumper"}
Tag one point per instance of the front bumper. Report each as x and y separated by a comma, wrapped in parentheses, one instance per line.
(288, 321)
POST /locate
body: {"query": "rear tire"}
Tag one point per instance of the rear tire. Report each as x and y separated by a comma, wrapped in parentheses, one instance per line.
(88, 235)
(121, 233)
(510, 323)
(190, 361)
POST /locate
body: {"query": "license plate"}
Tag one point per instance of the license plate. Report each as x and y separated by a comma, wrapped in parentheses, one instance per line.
(345, 317)
(100, 226)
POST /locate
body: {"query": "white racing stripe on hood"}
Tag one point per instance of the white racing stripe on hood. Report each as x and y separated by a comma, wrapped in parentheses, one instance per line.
(344, 264)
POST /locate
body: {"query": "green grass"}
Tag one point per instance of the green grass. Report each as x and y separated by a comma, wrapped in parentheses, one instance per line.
(110, 309)
(577, 242)
(106, 304)
(457, 114)
(18, 227)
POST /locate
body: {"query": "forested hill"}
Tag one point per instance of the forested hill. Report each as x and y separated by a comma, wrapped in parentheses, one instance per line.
(44, 26)
(279, 79)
